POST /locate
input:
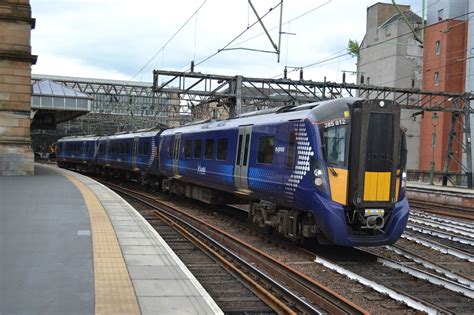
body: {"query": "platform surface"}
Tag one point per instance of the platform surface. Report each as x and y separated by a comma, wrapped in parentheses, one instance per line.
(69, 245)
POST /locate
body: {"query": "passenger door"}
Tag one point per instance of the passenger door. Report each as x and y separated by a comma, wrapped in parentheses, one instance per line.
(177, 144)
(242, 158)
(107, 151)
(135, 152)
(84, 151)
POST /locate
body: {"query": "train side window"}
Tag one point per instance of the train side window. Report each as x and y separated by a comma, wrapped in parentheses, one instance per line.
(222, 149)
(246, 149)
(290, 159)
(127, 148)
(239, 150)
(188, 148)
(266, 148)
(197, 149)
(209, 149)
(171, 147)
(146, 148)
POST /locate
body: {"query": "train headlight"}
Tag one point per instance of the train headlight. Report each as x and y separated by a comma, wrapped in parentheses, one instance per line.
(404, 180)
(318, 181)
(319, 178)
(317, 172)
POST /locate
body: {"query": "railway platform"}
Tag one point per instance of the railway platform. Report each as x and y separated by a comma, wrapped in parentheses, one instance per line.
(69, 245)
(444, 200)
(441, 189)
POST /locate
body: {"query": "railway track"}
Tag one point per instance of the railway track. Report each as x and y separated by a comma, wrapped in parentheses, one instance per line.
(444, 234)
(426, 291)
(459, 212)
(299, 293)
(405, 283)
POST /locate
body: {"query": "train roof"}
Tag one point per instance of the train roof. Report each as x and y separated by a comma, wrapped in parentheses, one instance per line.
(131, 135)
(321, 111)
(79, 138)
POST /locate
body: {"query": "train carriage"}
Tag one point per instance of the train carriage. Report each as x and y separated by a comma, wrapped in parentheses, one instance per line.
(77, 152)
(331, 169)
(128, 154)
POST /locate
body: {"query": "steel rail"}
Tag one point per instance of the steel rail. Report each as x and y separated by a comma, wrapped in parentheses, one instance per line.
(263, 293)
(430, 265)
(425, 215)
(440, 234)
(443, 226)
(410, 301)
(300, 300)
(440, 247)
(460, 213)
(432, 278)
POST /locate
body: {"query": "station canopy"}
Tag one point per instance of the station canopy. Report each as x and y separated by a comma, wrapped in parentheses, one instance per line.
(53, 103)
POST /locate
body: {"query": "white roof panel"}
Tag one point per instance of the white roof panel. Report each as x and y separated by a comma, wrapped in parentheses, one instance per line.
(50, 88)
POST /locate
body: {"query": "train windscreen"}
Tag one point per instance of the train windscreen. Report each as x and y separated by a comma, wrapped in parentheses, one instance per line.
(334, 145)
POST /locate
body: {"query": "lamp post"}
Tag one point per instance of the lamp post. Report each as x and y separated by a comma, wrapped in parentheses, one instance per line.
(434, 122)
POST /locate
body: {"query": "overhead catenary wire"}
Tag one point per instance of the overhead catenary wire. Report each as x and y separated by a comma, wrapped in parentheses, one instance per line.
(169, 40)
(236, 37)
(287, 22)
(204, 59)
(322, 61)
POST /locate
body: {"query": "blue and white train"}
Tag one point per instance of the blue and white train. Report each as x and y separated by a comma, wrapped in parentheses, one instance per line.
(332, 171)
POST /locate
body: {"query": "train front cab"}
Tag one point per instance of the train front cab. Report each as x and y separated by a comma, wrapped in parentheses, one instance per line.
(368, 206)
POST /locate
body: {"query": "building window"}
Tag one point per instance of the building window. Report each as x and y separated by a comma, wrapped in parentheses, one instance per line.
(436, 78)
(437, 47)
(362, 79)
(368, 80)
(440, 15)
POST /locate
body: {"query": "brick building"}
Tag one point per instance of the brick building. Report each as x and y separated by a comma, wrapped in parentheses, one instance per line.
(16, 156)
(445, 59)
(444, 70)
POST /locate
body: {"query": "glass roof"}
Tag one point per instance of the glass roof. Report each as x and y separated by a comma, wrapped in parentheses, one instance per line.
(50, 88)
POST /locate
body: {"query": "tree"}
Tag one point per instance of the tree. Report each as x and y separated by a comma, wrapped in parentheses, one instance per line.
(353, 48)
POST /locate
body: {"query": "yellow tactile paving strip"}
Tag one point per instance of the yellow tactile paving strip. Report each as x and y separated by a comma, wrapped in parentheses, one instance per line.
(114, 292)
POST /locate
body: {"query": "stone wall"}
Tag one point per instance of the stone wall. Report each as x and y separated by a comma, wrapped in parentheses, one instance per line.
(16, 156)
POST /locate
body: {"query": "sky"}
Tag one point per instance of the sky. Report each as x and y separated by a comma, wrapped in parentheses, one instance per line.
(126, 40)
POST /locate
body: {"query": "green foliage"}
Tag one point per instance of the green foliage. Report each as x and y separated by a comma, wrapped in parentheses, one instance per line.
(353, 48)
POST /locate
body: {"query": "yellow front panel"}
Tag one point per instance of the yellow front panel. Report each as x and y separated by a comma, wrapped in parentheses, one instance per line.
(377, 186)
(370, 186)
(397, 185)
(338, 185)
(383, 186)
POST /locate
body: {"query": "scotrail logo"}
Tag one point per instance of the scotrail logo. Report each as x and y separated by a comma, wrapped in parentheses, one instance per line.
(279, 149)
(201, 169)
